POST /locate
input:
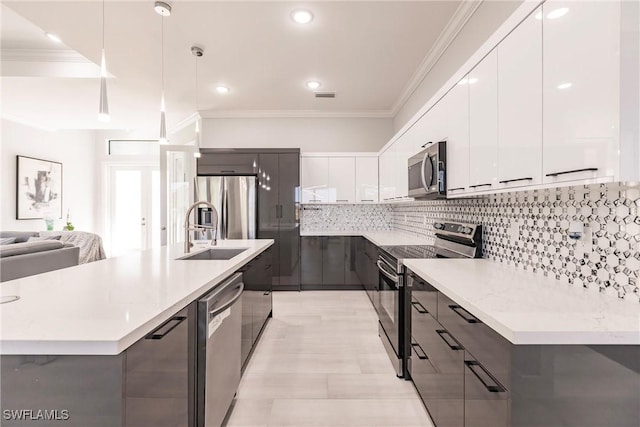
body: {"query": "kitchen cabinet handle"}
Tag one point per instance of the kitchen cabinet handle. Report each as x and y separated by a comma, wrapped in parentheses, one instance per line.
(506, 181)
(419, 351)
(419, 307)
(456, 189)
(366, 200)
(164, 329)
(266, 267)
(455, 346)
(267, 293)
(314, 200)
(480, 185)
(492, 385)
(470, 319)
(227, 171)
(573, 171)
(426, 143)
(342, 200)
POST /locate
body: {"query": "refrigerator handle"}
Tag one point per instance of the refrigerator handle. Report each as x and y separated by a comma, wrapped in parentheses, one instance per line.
(226, 213)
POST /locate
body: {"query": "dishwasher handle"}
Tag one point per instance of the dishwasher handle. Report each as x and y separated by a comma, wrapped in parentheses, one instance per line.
(228, 302)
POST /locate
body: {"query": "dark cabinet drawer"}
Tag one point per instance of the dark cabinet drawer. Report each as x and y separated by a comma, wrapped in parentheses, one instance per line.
(227, 163)
(424, 297)
(486, 345)
(486, 399)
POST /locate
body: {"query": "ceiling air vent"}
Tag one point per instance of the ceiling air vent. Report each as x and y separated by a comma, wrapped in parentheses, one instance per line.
(325, 94)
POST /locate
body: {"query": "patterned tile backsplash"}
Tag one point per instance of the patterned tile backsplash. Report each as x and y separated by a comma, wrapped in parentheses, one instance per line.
(527, 229)
(316, 217)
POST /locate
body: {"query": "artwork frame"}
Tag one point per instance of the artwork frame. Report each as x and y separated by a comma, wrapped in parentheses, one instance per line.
(38, 188)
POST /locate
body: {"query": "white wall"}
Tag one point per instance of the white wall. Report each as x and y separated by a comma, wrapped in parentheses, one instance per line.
(74, 149)
(484, 22)
(309, 134)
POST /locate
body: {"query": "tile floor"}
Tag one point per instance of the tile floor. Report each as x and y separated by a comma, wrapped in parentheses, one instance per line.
(320, 362)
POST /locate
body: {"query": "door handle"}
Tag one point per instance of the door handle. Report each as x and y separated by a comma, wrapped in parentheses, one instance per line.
(419, 307)
(573, 171)
(455, 346)
(419, 351)
(470, 319)
(492, 385)
(164, 329)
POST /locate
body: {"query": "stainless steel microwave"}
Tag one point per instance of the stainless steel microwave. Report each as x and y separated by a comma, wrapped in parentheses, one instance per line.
(428, 172)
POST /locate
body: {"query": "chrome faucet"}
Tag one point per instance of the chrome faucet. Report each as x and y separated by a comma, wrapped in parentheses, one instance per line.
(188, 227)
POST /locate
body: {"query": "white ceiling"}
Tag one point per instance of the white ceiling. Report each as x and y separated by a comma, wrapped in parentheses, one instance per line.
(369, 53)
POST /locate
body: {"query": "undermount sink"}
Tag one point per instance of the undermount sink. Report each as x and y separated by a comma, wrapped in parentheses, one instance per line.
(213, 254)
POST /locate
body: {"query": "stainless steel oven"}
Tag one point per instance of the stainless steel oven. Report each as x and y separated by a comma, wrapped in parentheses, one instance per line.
(428, 172)
(388, 304)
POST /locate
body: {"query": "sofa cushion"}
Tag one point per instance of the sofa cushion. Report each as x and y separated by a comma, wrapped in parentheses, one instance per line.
(40, 238)
(29, 248)
(7, 240)
(21, 236)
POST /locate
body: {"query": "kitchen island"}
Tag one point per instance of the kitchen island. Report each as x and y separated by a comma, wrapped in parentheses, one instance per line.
(72, 343)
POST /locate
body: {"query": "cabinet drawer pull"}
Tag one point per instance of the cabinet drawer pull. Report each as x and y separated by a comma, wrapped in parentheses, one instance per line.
(366, 200)
(266, 267)
(342, 200)
(164, 329)
(419, 351)
(456, 189)
(267, 293)
(506, 181)
(480, 185)
(426, 143)
(314, 200)
(462, 313)
(419, 307)
(573, 171)
(455, 346)
(227, 171)
(488, 381)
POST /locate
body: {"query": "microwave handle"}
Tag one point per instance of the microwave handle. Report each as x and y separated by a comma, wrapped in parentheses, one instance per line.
(424, 178)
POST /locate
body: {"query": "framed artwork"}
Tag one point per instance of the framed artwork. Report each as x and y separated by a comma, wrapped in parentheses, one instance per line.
(38, 189)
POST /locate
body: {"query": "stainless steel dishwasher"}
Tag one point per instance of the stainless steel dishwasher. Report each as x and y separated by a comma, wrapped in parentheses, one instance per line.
(218, 355)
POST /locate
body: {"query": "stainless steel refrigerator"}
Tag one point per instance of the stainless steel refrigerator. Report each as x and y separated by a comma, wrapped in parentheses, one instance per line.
(236, 200)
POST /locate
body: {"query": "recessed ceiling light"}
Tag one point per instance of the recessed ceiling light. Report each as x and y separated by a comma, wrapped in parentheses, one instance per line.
(313, 84)
(557, 13)
(162, 8)
(222, 89)
(565, 85)
(53, 37)
(302, 16)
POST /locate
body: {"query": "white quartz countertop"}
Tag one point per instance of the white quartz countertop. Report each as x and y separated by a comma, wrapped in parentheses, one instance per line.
(105, 306)
(378, 238)
(526, 308)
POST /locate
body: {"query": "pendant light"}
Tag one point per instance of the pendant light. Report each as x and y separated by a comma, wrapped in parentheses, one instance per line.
(197, 52)
(163, 9)
(103, 109)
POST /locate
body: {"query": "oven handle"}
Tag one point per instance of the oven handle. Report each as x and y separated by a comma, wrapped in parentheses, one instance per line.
(390, 276)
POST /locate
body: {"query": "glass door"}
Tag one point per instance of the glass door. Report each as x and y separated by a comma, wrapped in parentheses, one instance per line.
(134, 207)
(178, 172)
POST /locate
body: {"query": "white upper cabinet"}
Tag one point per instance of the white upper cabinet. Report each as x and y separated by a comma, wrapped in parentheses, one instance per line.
(483, 123)
(581, 89)
(315, 179)
(366, 179)
(402, 150)
(387, 175)
(520, 105)
(342, 179)
(454, 128)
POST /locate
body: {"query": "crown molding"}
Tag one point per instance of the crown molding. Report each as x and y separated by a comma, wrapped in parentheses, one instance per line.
(26, 122)
(459, 19)
(285, 114)
(187, 121)
(43, 55)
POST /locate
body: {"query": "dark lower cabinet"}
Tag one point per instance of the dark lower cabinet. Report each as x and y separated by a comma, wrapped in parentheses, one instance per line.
(328, 262)
(256, 300)
(311, 261)
(469, 375)
(366, 254)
